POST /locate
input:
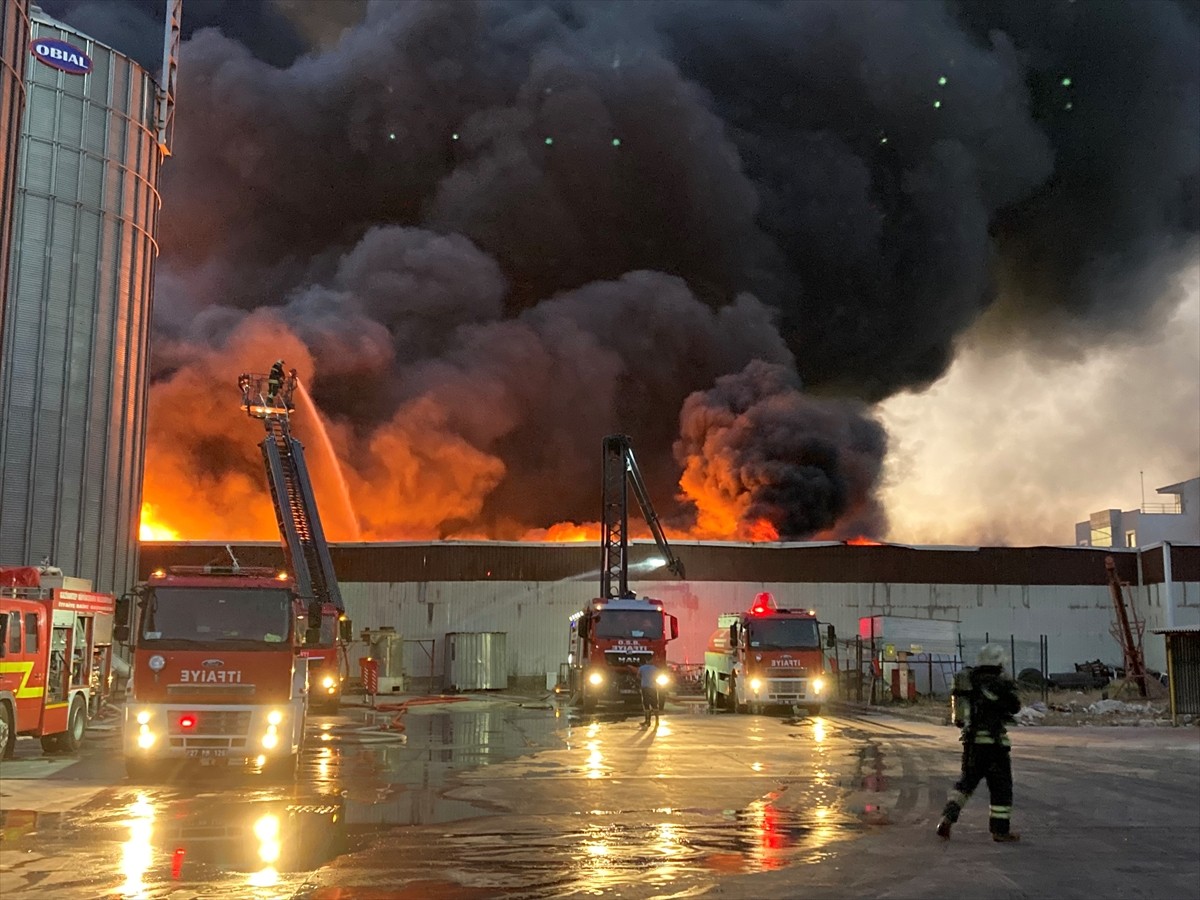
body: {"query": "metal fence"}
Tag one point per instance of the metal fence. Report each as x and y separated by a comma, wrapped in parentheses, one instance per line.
(864, 673)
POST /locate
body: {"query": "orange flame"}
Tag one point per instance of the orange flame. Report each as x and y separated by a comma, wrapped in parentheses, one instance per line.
(861, 541)
(153, 529)
(412, 478)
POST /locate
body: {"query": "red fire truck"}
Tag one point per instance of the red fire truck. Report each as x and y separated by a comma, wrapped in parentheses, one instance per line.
(610, 639)
(766, 656)
(216, 676)
(618, 631)
(55, 657)
(269, 399)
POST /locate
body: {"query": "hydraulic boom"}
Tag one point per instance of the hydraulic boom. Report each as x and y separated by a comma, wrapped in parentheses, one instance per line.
(304, 544)
(620, 471)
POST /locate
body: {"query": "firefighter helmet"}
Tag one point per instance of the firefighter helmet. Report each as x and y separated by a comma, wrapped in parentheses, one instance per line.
(990, 655)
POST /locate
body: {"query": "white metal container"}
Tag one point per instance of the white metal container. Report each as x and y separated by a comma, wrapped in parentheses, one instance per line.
(476, 661)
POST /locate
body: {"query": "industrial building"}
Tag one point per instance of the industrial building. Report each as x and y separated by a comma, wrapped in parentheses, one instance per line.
(528, 591)
(14, 48)
(75, 352)
(1174, 518)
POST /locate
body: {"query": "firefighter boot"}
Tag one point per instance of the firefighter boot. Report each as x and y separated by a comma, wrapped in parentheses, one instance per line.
(943, 828)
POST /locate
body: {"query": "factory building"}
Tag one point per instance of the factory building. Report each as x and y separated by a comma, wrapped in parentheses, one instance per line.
(528, 591)
(75, 352)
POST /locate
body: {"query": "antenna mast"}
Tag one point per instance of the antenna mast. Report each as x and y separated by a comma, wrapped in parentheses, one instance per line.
(170, 66)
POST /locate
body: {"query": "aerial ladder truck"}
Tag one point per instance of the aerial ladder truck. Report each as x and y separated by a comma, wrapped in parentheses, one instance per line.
(618, 631)
(270, 398)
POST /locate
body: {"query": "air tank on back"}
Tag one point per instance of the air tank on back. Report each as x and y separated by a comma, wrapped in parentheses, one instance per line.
(74, 359)
(14, 49)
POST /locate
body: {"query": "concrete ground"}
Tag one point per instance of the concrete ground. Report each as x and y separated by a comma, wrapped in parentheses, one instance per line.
(509, 797)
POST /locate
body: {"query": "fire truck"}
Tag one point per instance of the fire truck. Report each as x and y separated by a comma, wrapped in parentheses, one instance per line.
(55, 656)
(216, 678)
(269, 398)
(619, 631)
(766, 656)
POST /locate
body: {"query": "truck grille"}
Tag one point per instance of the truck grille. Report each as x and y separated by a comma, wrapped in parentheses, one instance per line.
(785, 690)
(227, 722)
(627, 657)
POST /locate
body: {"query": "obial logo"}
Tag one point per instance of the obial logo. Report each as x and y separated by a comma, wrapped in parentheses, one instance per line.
(62, 56)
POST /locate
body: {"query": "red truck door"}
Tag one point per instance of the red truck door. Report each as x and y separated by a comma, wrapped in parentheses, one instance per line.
(22, 672)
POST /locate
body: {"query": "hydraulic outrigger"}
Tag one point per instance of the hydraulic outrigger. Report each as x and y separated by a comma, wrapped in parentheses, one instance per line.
(270, 398)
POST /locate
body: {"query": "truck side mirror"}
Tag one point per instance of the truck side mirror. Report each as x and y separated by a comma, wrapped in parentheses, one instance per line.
(121, 633)
(733, 635)
(312, 636)
(674, 628)
(345, 630)
(830, 636)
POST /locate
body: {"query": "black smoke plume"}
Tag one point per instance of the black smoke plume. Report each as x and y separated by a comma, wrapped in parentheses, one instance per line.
(528, 224)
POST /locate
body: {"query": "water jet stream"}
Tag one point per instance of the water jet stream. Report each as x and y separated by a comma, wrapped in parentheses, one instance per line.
(335, 463)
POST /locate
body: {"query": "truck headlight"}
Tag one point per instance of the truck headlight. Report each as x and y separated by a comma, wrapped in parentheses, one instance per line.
(274, 717)
(143, 717)
(145, 738)
(595, 678)
(270, 739)
(818, 685)
(755, 685)
(662, 680)
(328, 682)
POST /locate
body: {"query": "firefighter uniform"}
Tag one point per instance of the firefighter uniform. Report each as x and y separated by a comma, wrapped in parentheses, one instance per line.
(985, 701)
(275, 380)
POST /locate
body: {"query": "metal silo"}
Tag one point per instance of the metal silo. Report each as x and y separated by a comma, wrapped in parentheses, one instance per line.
(14, 45)
(73, 365)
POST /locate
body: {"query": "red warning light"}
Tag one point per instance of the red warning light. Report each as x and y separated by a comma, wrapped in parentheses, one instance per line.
(763, 603)
(177, 864)
(187, 720)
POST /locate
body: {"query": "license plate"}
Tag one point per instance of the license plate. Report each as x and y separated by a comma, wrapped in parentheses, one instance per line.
(208, 752)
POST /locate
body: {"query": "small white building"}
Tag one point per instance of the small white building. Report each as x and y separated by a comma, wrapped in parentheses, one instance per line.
(1176, 519)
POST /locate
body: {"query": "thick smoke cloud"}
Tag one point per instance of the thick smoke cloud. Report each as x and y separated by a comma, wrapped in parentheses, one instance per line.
(508, 228)
(763, 461)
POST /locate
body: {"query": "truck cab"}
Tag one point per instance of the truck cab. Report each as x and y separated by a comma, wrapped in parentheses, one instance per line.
(216, 674)
(766, 656)
(610, 639)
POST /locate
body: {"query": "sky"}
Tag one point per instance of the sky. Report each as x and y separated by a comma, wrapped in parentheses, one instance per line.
(923, 271)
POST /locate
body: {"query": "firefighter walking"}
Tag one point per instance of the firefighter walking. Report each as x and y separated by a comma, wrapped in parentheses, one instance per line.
(985, 701)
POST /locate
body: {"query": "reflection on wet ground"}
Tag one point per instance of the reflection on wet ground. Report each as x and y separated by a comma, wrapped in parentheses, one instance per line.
(368, 776)
(206, 826)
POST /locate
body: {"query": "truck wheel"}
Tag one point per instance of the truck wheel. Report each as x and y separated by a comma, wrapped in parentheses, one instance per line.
(814, 710)
(587, 701)
(8, 732)
(70, 740)
(731, 700)
(710, 691)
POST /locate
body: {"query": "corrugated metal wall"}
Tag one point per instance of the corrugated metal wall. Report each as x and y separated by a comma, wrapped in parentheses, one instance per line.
(823, 563)
(73, 378)
(14, 48)
(1185, 672)
(473, 587)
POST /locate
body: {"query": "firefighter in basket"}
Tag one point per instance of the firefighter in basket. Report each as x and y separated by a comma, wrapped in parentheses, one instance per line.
(275, 381)
(983, 702)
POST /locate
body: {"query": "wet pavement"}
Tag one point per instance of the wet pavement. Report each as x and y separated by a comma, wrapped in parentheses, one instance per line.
(508, 797)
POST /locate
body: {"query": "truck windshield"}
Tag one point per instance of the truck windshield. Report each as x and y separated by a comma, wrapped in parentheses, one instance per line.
(259, 615)
(784, 634)
(630, 623)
